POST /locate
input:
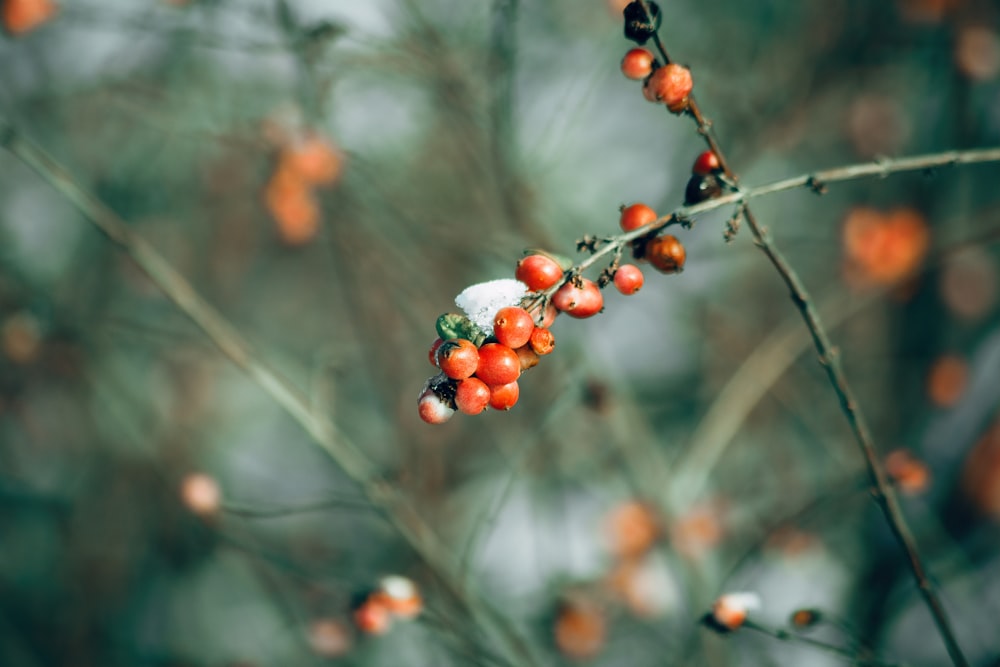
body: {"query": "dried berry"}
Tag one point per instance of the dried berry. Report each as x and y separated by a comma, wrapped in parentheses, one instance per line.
(701, 188)
(670, 85)
(640, 26)
(666, 253)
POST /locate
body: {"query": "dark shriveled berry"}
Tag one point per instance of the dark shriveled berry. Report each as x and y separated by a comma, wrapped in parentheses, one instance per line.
(638, 26)
(701, 187)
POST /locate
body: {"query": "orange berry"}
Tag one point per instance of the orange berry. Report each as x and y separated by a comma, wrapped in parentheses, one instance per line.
(458, 358)
(504, 396)
(538, 272)
(628, 279)
(805, 618)
(293, 206)
(472, 395)
(23, 16)
(400, 596)
(329, 638)
(542, 341)
(372, 617)
(579, 302)
(632, 529)
(706, 163)
(201, 494)
(911, 475)
(529, 358)
(635, 216)
(666, 253)
(947, 380)
(671, 85)
(498, 364)
(512, 326)
(884, 248)
(313, 159)
(730, 611)
(637, 64)
(580, 630)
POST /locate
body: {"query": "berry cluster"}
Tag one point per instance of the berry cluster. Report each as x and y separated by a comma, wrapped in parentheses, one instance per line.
(505, 329)
(481, 355)
(669, 83)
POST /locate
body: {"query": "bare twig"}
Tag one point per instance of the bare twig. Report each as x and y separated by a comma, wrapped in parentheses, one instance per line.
(879, 168)
(852, 656)
(829, 356)
(398, 509)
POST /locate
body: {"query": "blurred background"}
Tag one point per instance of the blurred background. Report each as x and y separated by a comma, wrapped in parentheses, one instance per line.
(330, 174)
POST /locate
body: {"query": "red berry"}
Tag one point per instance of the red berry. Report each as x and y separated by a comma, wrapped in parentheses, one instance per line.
(628, 279)
(498, 364)
(706, 163)
(542, 341)
(538, 272)
(528, 357)
(513, 326)
(432, 408)
(372, 617)
(671, 85)
(432, 353)
(504, 396)
(638, 64)
(635, 216)
(666, 253)
(579, 302)
(472, 395)
(458, 358)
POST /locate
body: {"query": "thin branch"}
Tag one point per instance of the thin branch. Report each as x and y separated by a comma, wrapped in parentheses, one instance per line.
(851, 656)
(398, 508)
(253, 511)
(830, 359)
(879, 168)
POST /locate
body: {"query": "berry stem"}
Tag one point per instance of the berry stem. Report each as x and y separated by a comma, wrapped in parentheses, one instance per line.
(882, 491)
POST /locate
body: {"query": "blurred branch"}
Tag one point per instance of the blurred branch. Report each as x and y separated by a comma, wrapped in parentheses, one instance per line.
(251, 511)
(399, 509)
(854, 657)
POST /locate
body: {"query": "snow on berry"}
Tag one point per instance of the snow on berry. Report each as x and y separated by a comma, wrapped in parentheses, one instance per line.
(730, 610)
(482, 300)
